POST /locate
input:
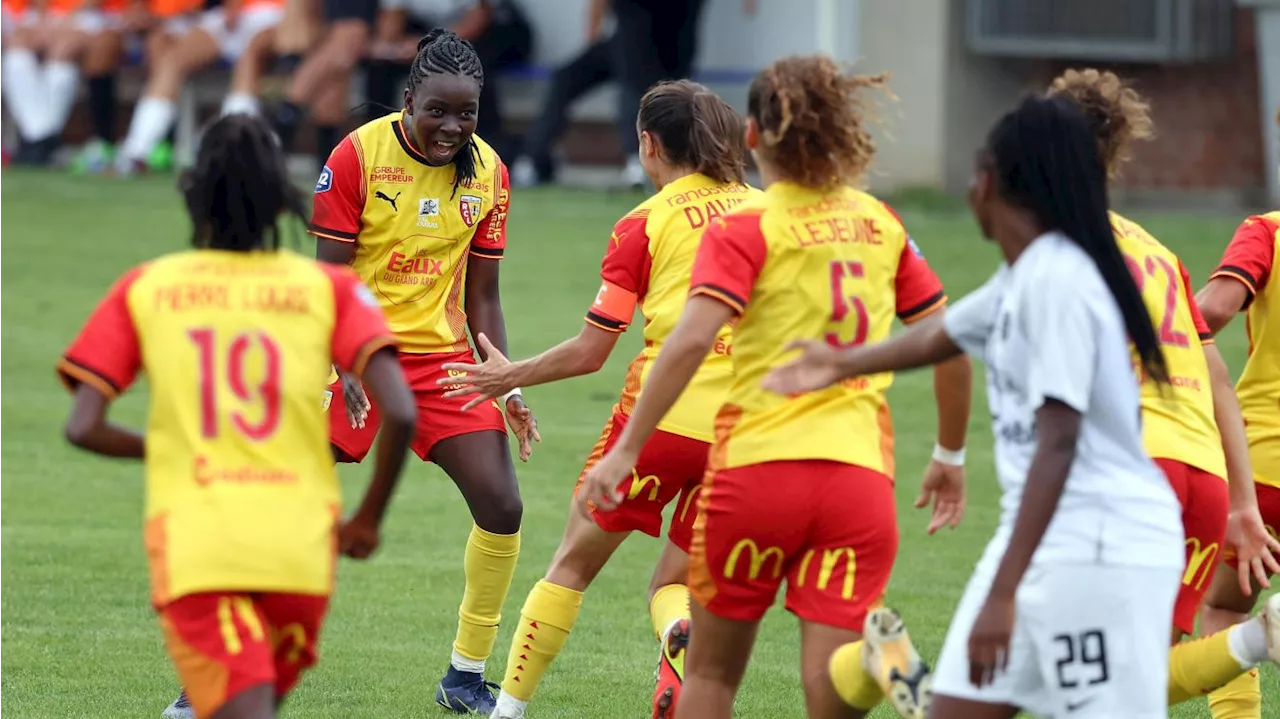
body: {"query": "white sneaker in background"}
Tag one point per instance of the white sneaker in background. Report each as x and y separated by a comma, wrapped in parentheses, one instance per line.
(523, 173)
(633, 174)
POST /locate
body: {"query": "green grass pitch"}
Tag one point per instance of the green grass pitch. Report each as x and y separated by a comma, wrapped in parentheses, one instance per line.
(80, 638)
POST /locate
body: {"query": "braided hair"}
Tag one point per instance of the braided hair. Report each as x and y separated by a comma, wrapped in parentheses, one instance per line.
(1047, 161)
(239, 187)
(443, 52)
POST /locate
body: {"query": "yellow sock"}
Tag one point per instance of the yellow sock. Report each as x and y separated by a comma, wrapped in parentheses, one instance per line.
(855, 686)
(488, 564)
(1241, 699)
(1199, 666)
(545, 623)
(669, 603)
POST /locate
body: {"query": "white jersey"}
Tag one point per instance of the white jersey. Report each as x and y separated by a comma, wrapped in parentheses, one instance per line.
(1093, 611)
(1048, 327)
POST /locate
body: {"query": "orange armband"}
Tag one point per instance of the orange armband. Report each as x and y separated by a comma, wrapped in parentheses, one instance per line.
(613, 308)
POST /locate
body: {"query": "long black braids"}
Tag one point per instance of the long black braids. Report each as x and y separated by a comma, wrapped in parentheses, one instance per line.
(443, 52)
(1047, 161)
(239, 187)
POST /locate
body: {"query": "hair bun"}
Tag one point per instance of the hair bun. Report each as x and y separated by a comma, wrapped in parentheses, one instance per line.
(433, 35)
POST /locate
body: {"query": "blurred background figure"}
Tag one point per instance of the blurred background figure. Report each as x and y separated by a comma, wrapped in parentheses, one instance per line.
(238, 32)
(46, 50)
(498, 29)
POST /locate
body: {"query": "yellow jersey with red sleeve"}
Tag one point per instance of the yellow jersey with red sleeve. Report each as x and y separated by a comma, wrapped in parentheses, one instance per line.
(1177, 422)
(414, 230)
(241, 489)
(800, 264)
(649, 262)
(1250, 259)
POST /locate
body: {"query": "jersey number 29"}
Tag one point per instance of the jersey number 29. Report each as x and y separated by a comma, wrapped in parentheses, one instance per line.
(234, 369)
(843, 305)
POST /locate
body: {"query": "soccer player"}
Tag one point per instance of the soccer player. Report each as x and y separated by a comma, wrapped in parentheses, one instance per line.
(417, 204)
(1245, 282)
(1186, 427)
(1053, 325)
(243, 503)
(691, 149)
(799, 489)
(238, 31)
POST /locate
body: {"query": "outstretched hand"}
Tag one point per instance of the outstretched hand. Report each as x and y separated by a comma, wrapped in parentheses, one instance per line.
(817, 367)
(484, 381)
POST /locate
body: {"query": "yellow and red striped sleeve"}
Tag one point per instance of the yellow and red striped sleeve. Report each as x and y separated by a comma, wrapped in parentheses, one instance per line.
(106, 354)
(624, 274)
(730, 257)
(1250, 255)
(340, 194)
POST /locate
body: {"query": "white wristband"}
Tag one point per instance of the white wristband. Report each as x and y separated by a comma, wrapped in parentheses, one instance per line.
(952, 457)
(513, 393)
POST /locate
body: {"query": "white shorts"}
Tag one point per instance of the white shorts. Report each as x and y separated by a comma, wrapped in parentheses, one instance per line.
(1089, 640)
(231, 43)
(89, 21)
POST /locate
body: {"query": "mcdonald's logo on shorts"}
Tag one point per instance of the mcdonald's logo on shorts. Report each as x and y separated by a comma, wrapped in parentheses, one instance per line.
(827, 567)
(638, 484)
(756, 561)
(1200, 562)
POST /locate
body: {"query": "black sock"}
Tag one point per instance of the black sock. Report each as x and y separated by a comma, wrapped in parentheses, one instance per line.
(102, 106)
(327, 138)
(287, 64)
(288, 117)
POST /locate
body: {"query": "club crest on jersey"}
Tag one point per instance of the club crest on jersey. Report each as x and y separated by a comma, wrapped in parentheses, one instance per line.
(469, 206)
(326, 180)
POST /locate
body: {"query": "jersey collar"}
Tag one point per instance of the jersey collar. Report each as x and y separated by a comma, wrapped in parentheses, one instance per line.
(402, 134)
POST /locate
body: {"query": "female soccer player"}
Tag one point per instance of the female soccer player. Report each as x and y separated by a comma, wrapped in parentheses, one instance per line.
(1053, 324)
(1185, 427)
(1243, 284)
(691, 149)
(240, 484)
(800, 488)
(417, 204)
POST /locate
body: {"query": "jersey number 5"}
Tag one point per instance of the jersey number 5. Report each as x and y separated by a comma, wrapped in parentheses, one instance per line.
(843, 304)
(1153, 266)
(234, 370)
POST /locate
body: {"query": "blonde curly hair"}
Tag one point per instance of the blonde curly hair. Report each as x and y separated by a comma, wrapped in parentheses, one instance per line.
(1120, 116)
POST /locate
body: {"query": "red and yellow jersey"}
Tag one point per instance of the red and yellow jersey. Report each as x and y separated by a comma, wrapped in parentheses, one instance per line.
(1177, 423)
(1250, 259)
(799, 264)
(414, 231)
(241, 490)
(649, 261)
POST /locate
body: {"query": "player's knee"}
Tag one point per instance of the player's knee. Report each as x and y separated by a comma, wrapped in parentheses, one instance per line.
(501, 514)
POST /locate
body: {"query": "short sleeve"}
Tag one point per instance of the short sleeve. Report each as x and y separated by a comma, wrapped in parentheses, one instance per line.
(1250, 255)
(917, 289)
(1202, 327)
(730, 257)
(1060, 322)
(969, 320)
(624, 274)
(359, 329)
(106, 354)
(339, 195)
(491, 235)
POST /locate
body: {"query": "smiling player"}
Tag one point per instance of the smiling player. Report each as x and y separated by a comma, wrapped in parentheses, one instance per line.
(417, 204)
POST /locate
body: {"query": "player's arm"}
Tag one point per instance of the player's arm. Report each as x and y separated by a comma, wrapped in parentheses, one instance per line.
(483, 302)
(87, 427)
(624, 274)
(100, 364)
(1246, 266)
(338, 205)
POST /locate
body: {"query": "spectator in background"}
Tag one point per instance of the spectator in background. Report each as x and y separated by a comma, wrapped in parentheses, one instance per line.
(321, 81)
(497, 29)
(239, 32)
(45, 51)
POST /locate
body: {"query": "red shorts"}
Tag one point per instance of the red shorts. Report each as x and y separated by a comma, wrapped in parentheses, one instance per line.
(669, 466)
(438, 418)
(223, 643)
(1205, 503)
(830, 529)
